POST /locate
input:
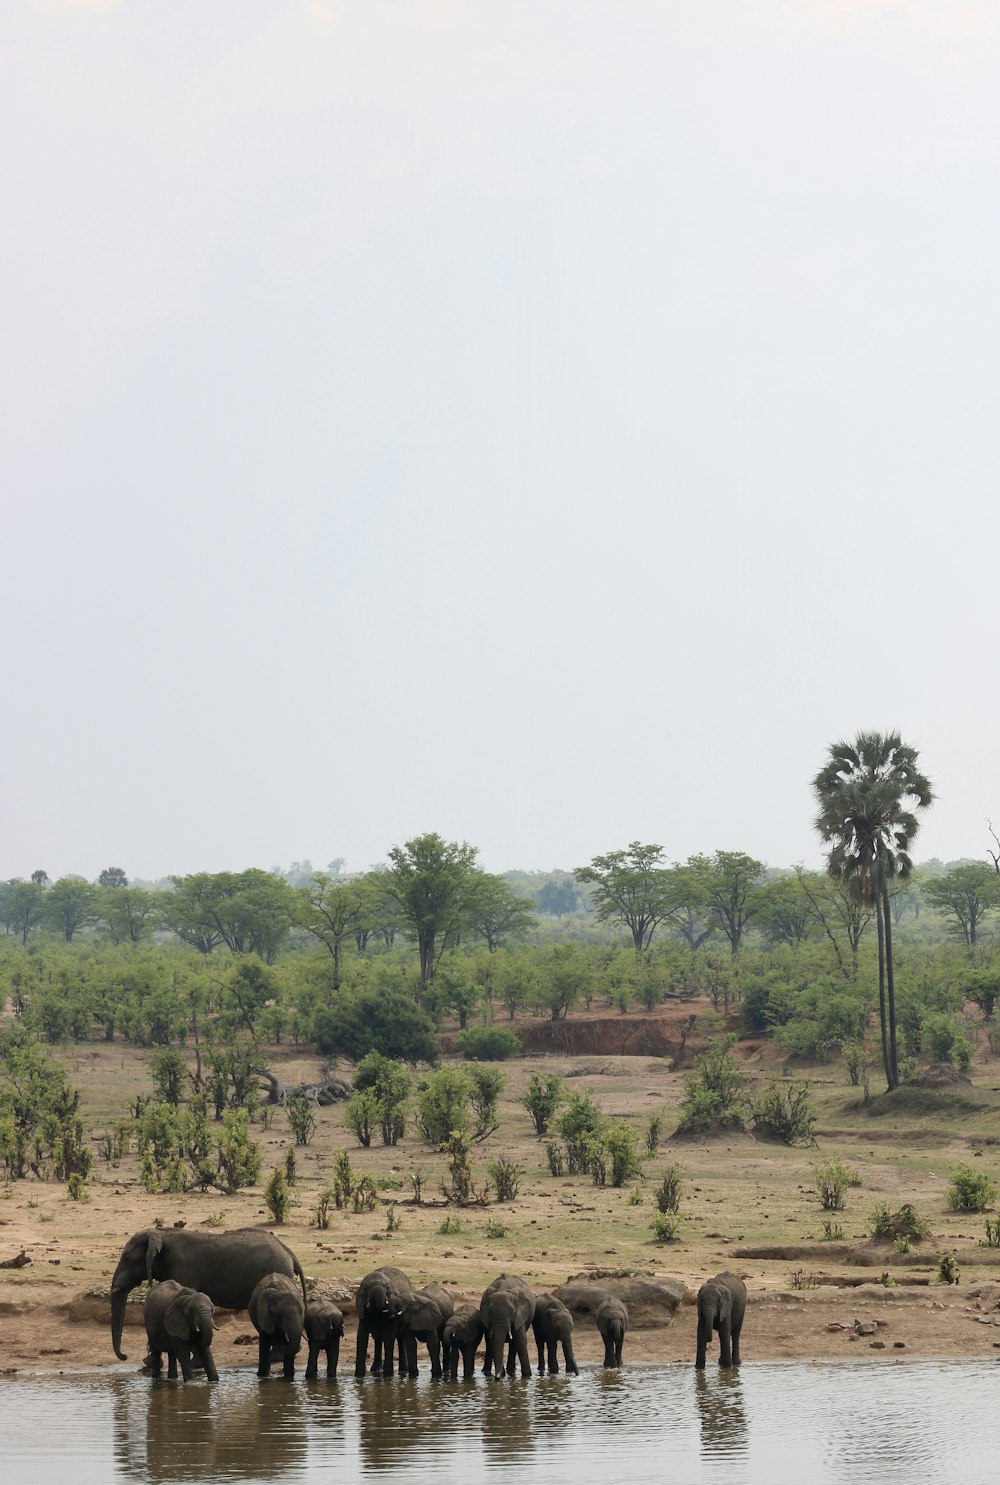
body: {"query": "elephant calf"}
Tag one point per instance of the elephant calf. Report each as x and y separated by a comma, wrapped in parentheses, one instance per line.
(722, 1302)
(611, 1318)
(423, 1318)
(553, 1325)
(324, 1327)
(179, 1321)
(462, 1333)
(278, 1314)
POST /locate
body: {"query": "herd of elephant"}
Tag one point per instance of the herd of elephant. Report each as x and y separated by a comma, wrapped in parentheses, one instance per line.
(249, 1269)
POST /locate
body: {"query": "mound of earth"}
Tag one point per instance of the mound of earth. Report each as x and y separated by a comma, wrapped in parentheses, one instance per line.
(940, 1075)
(652, 1300)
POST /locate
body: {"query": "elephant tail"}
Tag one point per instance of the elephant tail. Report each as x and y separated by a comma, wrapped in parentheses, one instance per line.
(302, 1279)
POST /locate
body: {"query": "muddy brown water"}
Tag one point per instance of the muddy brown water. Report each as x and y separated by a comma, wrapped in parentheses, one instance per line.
(764, 1425)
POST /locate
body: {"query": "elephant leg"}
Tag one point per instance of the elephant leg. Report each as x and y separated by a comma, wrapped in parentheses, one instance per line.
(540, 1343)
(154, 1361)
(434, 1349)
(468, 1364)
(619, 1342)
(609, 1352)
(553, 1358)
(172, 1365)
(520, 1343)
(312, 1361)
(184, 1358)
(704, 1337)
(288, 1364)
(388, 1358)
(725, 1344)
(736, 1344)
(263, 1355)
(511, 1366)
(332, 1356)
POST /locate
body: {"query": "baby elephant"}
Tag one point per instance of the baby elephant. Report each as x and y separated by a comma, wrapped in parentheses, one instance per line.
(611, 1318)
(553, 1324)
(722, 1302)
(277, 1311)
(324, 1326)
(179, 1321)
(463, 1332)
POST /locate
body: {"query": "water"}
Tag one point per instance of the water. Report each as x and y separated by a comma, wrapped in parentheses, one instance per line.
(923, 1422)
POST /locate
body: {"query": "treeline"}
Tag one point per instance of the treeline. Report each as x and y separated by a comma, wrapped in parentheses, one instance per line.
(382, 959)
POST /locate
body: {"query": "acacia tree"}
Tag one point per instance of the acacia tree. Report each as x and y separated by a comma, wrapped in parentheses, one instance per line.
(862, 793)
(732, 883)
(633, 886)
(967, 893)
(433, 883)
(336, 912)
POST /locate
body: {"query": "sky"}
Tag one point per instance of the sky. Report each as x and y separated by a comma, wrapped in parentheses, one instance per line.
(549, 423)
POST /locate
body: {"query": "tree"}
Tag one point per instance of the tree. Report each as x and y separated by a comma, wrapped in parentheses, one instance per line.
(130, 913)
(836, 907)
(784, 913)
(112, 876)
(248, 911)
(433, 882)
(497, 914)
(385, 1021)
(558, 895)
(633, 886)
(967, 893)
(24, 906)
(862, 792)
(733, 881)
(70, 904)
(335, 912)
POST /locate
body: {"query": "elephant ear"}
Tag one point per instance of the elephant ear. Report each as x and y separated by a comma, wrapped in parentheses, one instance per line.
(176, 1321)
(153, 1245)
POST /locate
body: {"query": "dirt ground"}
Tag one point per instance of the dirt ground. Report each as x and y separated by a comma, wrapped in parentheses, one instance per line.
(748, 1206)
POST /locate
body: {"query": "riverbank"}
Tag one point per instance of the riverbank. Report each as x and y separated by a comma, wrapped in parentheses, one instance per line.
(746, 1205)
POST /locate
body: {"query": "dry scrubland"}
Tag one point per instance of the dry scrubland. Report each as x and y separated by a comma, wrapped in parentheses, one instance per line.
(742, 1200)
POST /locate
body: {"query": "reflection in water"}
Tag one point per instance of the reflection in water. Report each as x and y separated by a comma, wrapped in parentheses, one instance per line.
(762, 1425)
(721, 1412)
(247, 1429)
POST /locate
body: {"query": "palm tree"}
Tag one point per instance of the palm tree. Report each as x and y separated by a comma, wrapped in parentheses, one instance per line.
(863, 792)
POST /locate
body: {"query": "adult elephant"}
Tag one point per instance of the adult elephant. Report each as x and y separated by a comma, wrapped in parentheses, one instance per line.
(722, 1303)
(553, 1326)
(423, 1318)
(227, 1266)
(379, 1302)
(506, 1309)
(180, 1322)
(277, 1313)
(611, 1319)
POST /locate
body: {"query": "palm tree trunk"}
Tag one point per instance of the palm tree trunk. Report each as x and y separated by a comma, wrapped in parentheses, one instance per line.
(890, 986)
(883, 1021)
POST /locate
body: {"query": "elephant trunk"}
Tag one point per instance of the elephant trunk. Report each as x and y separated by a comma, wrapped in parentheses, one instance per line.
(118, 1298)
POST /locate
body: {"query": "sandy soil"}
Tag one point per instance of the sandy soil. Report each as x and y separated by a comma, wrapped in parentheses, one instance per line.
(747, 1206)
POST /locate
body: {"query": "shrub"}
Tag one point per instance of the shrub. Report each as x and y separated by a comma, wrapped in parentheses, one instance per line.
(392, 1222)
(715, 1093)
(444, 1104)
(970, 1190)
(578, 1125)
(832, 1179)
(277, 1197)
(488, 1043)
(554, 1155)
(992, 1238)
(880, 1221)
(362, 1115)
(170, 1074)
(784, 1112)
(301, 1119)
(832, 1232)
(385, 1020)
(621, 1142)
(321, 1214)
(76, 1187)
(506, 1177)
(487, 1086)
(666, 1227)
(654, 1133)
(948, 1270)
(460, 1188)
(290, 1171)
(668, 1193)
(449, 1227)
(389, 1084)
(543, 1098)
(494, 1228)
(635, 1197)
(343, 1179)
(364, 1197)
(239, 1155)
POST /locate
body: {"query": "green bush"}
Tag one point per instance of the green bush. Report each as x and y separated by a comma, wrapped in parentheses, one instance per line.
(666, 1226)
(506, 1177)
(784, 1112)
(668, 1193)
(488, 1043)
(970, 1190)
(621, 1142)
(578, 1125)
(832, 1179)
(277, 1197)
(487, 1084)
(362, 1111)
(386, 1020)
(444, 1104)
(715, 1093)
(543, 1098)
(389, 1084)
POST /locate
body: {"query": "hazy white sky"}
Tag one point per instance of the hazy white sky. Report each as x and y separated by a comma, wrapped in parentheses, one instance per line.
(548, 422)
